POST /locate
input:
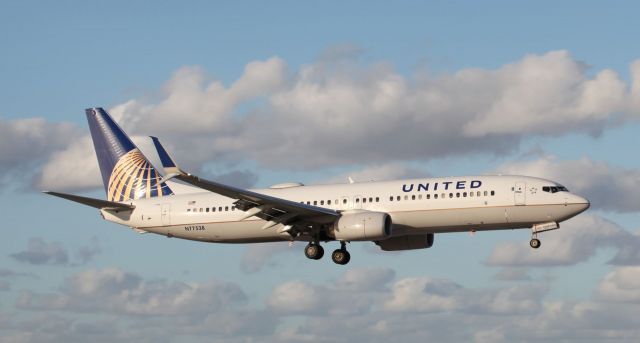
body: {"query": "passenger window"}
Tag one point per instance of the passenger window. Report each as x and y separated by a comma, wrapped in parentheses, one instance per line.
(377, 199)
(471, 194)
(413, 197)
(493, 193)
(328, 202)
(479, 194)
(315, 202)
(486, 193)
(443, 196)
(364, 200)
(207, 209)
(457, 194)
(188, 210)
(200, 209)
(419, 196)
(391, 198)
(213, 209)
(370, 199)
(464, 194)
(398, 198)
(226, 208)
(357, 200)
(321, 202)
(435, 196)
(220, 209)
(406, 197)
(344, 201)
(450, 195)
(428, 196)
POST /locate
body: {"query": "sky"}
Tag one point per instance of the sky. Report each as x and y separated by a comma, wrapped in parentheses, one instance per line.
(257, 93)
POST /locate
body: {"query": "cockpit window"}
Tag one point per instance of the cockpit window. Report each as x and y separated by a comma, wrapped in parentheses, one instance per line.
(554, 189)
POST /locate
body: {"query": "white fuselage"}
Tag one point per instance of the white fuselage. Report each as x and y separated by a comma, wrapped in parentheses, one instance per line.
(417, 207)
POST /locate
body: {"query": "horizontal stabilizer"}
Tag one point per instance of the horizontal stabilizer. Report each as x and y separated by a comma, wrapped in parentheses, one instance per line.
(97, 203)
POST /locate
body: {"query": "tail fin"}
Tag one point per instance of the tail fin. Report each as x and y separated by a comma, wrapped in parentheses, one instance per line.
(126, 172)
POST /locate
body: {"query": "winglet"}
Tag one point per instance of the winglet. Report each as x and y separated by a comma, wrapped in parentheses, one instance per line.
(170, 167)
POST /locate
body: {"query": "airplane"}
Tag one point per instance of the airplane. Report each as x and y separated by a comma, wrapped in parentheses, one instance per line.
(395, 215)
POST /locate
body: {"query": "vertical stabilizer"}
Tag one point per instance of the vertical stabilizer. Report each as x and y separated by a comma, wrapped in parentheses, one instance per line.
(126, 172)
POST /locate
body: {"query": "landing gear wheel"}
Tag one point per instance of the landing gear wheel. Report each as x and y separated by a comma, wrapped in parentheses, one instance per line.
(314, 251)
(341, 256)
(534, 243)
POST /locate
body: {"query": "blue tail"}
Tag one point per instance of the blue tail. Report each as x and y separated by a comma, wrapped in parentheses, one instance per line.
(126, 172)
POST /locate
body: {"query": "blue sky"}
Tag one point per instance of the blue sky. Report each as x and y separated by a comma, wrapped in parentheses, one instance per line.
(250, 93)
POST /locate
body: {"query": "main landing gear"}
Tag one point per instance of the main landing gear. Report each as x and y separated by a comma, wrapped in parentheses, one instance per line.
(341, 256)
(315, 251)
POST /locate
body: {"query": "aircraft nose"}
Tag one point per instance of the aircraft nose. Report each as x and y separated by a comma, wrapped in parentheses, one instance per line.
(582, 203)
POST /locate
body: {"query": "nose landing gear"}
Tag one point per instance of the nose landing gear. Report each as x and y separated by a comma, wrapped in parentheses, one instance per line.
(534, 243)
(538, 228)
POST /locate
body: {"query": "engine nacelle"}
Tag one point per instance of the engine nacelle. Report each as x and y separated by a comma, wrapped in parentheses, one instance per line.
(362, 226)
(406, 242)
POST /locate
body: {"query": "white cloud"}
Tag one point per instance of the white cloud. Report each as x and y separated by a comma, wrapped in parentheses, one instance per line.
(112, 290)
(428, 295)
(25, 143)
(621, 285)
(576, 241)
(256, 256)
(366, 279)
(352, 293)
(340, 112)
(512, 274)
(379, 172)
(361, 305)
(73, 168)
(545, 94)
(40, 252)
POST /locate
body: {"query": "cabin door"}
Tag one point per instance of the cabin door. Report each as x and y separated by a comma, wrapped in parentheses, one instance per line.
(166, 214)
(519, 194)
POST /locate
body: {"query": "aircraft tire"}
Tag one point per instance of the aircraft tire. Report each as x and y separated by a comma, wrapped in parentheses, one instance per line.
(314, 251)
(535, 243)
(341, 256)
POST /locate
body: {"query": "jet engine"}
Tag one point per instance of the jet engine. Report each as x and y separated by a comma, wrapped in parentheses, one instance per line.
(362, 226)
(406, 242)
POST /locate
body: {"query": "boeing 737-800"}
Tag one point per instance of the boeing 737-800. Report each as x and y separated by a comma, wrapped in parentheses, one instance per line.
(395, 215)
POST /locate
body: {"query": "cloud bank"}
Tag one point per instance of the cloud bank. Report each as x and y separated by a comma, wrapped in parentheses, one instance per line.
(342, 112)
(371, 304)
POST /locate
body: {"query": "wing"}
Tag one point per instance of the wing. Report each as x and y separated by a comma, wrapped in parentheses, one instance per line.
(294, 215)
(274, 210)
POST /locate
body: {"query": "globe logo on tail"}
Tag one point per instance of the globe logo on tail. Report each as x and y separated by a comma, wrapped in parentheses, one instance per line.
(133, 177)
